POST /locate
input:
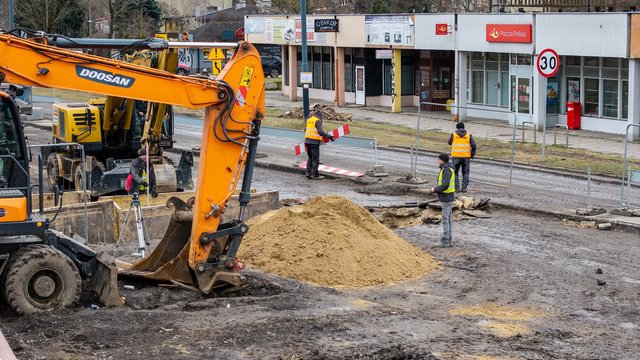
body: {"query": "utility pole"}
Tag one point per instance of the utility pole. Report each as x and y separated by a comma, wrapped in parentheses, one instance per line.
(305, 60)
(10, 14)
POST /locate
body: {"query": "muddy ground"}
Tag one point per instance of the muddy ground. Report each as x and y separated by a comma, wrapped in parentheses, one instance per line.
(514, 286)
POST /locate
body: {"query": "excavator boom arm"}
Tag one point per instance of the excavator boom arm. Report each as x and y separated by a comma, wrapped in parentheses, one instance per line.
(29, 63)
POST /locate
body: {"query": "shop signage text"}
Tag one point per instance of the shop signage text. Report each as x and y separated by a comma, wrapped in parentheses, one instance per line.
(384, 54)
(509, 33)
(325, 25)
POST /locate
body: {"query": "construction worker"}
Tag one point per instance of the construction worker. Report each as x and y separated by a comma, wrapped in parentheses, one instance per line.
(138, 180)
(445, 188)
(463, 149)
(313, 137)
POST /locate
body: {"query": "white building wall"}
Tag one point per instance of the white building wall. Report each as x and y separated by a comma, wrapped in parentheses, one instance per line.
(472, 33)
(601, 35)
(426, 38)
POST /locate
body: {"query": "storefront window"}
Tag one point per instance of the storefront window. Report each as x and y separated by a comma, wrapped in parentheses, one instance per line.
(504, 89)
(610, 98)
(327, 73)
(573, 89)
(591, 92)
(492, 88)
(524, 59)
(478, 87)
(625, 99)
(348, 70)
(553, 96)
(524, 95)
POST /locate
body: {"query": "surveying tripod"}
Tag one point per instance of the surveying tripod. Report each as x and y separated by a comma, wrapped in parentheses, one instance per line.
(141, 228)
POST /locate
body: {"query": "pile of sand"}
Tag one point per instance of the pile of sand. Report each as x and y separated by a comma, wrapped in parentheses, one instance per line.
(333, 242)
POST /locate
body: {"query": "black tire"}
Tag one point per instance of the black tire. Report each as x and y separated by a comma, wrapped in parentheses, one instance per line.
(274, 72)
(53, 172)
(77, 179)
(40, 278)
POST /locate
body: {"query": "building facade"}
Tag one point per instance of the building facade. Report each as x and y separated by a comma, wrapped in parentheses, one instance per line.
(485, 63)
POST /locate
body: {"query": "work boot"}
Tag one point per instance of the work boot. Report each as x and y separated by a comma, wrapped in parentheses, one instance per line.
(464, 189)
(308, 176)
(319, 177)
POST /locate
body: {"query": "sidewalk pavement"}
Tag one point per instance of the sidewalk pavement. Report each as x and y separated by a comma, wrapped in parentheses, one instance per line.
(480, 128)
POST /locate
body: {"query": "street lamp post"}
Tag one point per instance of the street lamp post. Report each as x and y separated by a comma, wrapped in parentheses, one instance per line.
(10, 14)
(305, 60)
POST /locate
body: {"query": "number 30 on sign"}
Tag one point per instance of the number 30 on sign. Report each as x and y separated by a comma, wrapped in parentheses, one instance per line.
(548, 62)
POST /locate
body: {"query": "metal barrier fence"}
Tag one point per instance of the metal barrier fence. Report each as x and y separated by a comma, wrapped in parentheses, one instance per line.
(624, 166)
(534, 130)
(414, 150)
(83, 178)
(566, 133)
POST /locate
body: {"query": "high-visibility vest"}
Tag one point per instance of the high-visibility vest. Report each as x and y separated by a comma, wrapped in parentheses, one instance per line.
(144, 178)
(452, 182)
(311, 132)
(461, 146)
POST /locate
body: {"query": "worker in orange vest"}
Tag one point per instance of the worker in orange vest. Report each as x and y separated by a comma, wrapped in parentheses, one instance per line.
(314, 136)
(463, 149)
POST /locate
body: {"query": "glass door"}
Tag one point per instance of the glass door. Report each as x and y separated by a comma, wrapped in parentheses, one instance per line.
(521, 91)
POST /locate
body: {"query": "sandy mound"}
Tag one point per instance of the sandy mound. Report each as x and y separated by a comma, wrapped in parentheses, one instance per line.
(333, 242)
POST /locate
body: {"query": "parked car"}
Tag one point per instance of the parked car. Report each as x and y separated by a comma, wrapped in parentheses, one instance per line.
(271, 65)
(183, 69)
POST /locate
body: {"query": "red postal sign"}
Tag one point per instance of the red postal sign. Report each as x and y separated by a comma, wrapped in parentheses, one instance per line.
(509, 33)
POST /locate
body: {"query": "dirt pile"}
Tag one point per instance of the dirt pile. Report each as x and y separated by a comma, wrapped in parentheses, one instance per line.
(333, 242)
(328, 113)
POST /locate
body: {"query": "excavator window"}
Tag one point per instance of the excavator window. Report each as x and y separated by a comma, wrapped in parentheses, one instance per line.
(9, 142)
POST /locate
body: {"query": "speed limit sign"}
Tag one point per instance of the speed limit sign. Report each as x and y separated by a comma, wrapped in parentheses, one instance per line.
(548, 63)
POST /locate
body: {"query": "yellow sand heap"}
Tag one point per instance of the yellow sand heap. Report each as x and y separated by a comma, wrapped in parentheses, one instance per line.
(333, 242)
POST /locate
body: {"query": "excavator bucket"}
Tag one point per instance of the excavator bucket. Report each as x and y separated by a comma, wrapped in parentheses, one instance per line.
(104, 282)
(168, 262)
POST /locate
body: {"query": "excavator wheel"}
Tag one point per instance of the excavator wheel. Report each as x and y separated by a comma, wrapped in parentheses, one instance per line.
(53, 172)
(77, 179)
(40, 278)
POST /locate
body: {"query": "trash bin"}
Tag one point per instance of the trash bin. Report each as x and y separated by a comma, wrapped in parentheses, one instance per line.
(574, 110)
(450, 108)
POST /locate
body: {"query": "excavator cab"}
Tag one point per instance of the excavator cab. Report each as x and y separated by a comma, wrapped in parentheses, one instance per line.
(40, 269)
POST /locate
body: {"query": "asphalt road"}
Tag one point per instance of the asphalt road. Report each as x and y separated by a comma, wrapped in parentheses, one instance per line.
(542, 190)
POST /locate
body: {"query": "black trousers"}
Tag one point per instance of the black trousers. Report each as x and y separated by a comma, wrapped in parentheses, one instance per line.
(313, 152)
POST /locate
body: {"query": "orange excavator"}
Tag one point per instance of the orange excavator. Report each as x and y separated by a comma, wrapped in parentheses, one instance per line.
(41, 269)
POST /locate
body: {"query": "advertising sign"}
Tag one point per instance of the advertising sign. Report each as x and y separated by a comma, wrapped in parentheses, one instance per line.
(389, 30)
(311, 34)
(280, 31)
(325, 25)
(509, 33)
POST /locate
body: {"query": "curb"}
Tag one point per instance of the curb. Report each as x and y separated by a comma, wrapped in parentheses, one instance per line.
(561, 215)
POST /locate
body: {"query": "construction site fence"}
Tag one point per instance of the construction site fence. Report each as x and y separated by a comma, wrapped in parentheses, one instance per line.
(555, 128)
(626, 172)
(415, 153)
(533, 127)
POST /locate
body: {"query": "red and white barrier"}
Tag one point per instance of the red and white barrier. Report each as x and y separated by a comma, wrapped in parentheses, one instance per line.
(332, 170)
(337, 133)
